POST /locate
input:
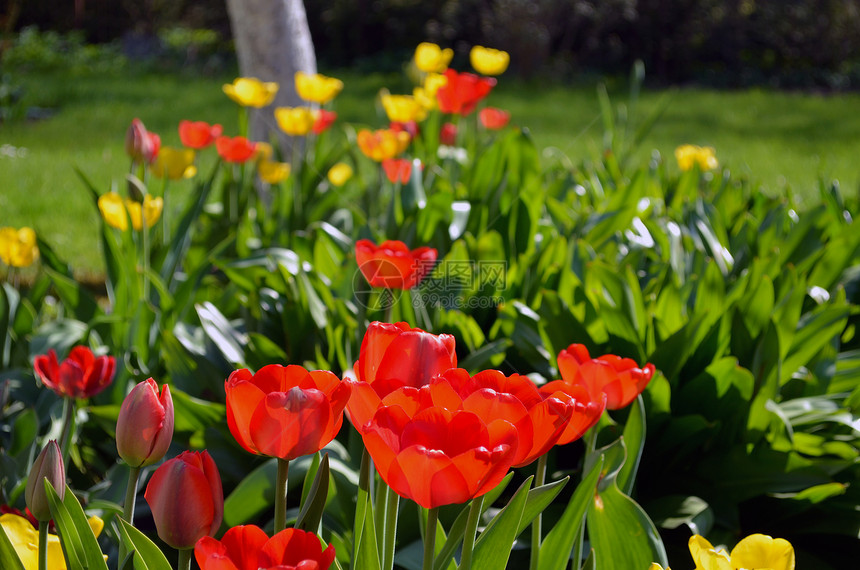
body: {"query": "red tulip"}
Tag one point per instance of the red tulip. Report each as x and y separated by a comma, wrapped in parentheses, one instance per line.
(436, 456)
(186, 499)
(462, 92)
(619, 378)
(392, 356)
(397, 169)
(493, 119)
(323, 120)
(48, 465)
(392, 265)
(283, 411)
(144, 427)
(448, 134)
(198, 134)
(410, 127)
(540, 419)
(81, 375)
(141, 144)
(250, 548)
(235, 149)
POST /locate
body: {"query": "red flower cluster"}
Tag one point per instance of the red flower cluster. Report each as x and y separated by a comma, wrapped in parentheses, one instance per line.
(81, 375)
(392, 264)
(462, 92)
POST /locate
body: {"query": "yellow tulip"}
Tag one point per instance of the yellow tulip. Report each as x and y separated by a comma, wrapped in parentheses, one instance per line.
(273, 172)
(689, 155)
(295, 121)
(426, 94)
(116, 212)
(339, 174)
(655, 566)
(706, 556)
(18, 248)
(383, 143)
(25, 540)
(403, 108)
(174, 163)
(317, 88)
(762, 551)
(251, 92)
(489, 61)
(263, 151)
(430, 58)
(151, 209)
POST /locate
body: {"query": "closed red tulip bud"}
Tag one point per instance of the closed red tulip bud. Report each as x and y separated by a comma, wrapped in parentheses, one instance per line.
(186, 499)
(144, 427)
(248, 547)
(48, 465)
(81, 375)
(140, 144)
(198, 134)
(448, 134)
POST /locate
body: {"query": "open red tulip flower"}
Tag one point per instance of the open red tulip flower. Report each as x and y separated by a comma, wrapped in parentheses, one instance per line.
(540, 419)
(248, 547)
(436, 456)
(462, 92)
(392, 264)
(398, 170)
(393, 356)
(493, 118)
(235, 149)
(81, 375)
(619, 378)
(186, 499)
(198, 134)
(285, 411)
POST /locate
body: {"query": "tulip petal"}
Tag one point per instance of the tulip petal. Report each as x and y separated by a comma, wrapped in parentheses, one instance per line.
(414, 357)
(291, 424)
(243, 398)
(176, 483)
(762, 551)
(428, 477)
(212, 555)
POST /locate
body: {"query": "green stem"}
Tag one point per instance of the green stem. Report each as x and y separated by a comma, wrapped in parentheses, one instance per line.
(43, 545)
(362, 500)
(144, 232)
(70, 412)
(430, 538)
(390, 530)
(471, 530)
(281, 495)
(590, 438)
(379, 503)
(165, 214)
(128, 506)
(185, 559)
(540, 478)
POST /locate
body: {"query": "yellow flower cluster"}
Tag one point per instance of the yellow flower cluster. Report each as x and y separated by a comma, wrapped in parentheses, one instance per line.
(25, 541)
(754, 551)
(116, 212)
(18, 248)
(689, 155)
(403, 108)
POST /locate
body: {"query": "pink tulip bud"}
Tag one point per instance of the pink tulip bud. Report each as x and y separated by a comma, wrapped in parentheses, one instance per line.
(186, 499)
(144, 427)
(48, 465)
(140, 144)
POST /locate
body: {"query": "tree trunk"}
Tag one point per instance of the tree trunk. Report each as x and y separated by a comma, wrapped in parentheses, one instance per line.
(273, 42)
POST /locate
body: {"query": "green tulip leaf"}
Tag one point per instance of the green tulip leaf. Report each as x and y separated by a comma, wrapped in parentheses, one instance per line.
(8, 557)
(253, 495)
(493, 547)
(146, 555)
(634, 442)
(76, 537)
(558, 544)
(539, 499)
(366, 556)
(313, 502)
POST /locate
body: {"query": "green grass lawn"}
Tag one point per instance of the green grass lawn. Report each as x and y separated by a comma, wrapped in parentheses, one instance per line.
(777, 139)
